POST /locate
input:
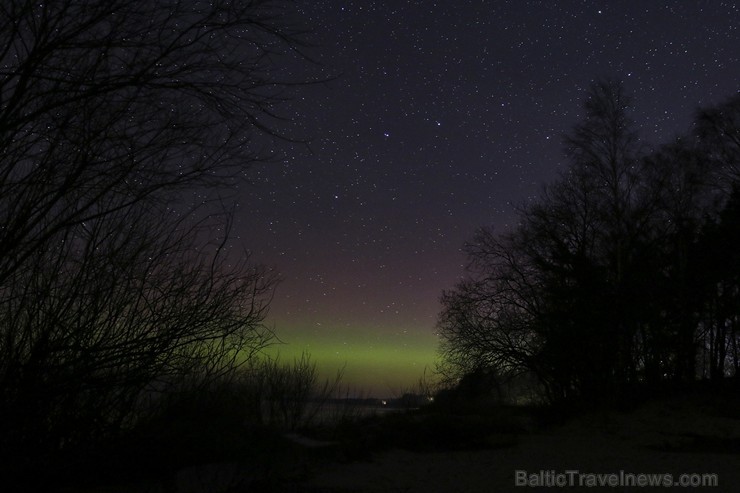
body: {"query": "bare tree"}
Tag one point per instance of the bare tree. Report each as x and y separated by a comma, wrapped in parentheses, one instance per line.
(487, 320)
(109, 284)
(104, 104)
(717, 135)
(565, 281)
(122, 308)
(620, 274)
(718, 131)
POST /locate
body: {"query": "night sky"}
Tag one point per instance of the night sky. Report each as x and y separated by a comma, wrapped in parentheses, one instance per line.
(443, 117)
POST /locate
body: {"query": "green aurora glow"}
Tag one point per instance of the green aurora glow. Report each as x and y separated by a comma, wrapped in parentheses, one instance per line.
(371, 366)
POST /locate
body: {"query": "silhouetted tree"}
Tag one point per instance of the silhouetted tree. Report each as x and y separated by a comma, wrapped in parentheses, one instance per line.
(714, 257)
(680, 190)
(718, 131)
(717, 262)
(601, 286)
(121, 309)
(488, 321)
(104, 104)
(109, 112)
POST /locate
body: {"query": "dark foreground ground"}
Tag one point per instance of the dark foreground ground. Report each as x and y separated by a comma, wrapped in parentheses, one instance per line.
(428, 451)
(654, 440)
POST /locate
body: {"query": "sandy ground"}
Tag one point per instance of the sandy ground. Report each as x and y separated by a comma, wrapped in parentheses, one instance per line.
(653, 440)
(493, 471)
(598, 446)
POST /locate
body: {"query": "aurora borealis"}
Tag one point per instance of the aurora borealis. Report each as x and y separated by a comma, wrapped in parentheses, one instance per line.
(442, 117)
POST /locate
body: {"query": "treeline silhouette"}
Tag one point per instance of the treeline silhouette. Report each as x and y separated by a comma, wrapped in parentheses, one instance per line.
(622, 276)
